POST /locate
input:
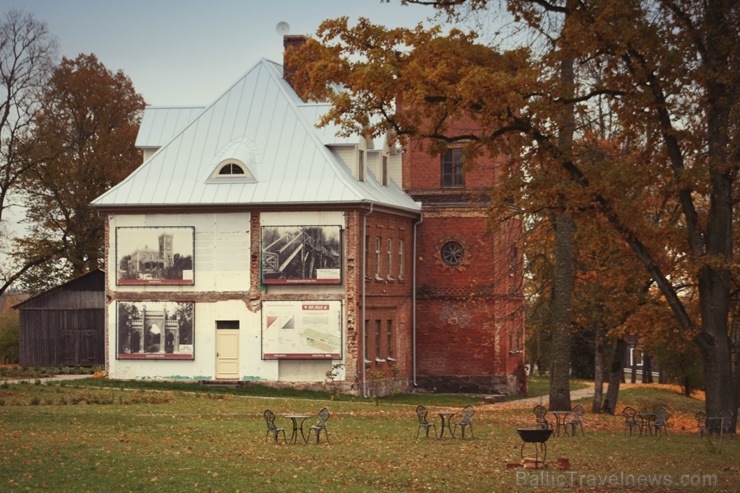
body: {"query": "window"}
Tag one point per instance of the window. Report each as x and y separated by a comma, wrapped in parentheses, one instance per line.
(389, 339)
(367, 258)
(390, 259)
(377, 341)
(452, 169)
(401, 265)
(367, 339)
(227, 324)
(452, 253)
(231, 169)
(377, 258)
(384, 172)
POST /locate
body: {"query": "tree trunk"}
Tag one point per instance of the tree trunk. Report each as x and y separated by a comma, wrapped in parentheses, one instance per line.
(564, 271)
(561, 313)
(615, 377)
(598, 371)
(647, 371)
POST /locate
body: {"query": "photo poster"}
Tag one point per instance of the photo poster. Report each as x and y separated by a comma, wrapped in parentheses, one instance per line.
(301, 255)
(155, 330)
(301, 330)
(155, 256)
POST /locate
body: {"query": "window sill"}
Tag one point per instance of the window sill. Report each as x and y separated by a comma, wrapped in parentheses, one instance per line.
(368, 362)
(391, 360)
(401, 279)
(379, 360)
(390, 279)
(379, 279)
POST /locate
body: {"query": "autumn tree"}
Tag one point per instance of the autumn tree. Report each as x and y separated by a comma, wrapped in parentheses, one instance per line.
(670, 72)
(85, 134)
(27, 55)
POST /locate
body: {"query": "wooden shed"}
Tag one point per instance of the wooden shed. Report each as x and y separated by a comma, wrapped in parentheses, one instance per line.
(65, 326)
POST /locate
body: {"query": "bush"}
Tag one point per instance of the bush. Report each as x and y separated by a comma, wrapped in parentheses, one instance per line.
(9, 338)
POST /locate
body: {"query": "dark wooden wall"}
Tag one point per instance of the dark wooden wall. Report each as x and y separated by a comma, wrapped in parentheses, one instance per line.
(66, 325)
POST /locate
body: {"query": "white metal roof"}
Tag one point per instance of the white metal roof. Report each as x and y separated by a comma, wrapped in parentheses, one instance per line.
(286, 155)
(159, 124)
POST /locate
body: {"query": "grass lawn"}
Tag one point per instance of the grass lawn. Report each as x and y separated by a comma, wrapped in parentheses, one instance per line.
(94, 435)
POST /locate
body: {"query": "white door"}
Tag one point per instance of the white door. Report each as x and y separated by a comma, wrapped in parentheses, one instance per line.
(227, 354)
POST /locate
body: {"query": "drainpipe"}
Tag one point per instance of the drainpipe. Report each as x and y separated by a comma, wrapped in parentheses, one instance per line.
(413, 306)
(364, 276)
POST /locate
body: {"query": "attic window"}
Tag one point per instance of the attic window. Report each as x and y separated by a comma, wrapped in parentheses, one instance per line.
(231, 169)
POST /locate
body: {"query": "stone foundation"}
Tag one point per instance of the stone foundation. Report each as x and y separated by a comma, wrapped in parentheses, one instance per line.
(463, 384)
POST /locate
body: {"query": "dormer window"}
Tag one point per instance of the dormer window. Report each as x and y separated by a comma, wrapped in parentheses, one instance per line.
(236, 162)
(231, 169)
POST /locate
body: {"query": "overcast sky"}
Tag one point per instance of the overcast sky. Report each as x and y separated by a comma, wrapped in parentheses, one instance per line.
(188, 52)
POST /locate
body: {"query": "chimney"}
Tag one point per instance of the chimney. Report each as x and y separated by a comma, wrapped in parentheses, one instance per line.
(291, 42)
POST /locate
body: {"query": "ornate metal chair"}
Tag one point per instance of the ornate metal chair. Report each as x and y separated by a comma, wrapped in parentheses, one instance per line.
(466, 421)
(701, 423)
(320, 425)
(271, 428)
(577, 420)
(726, 416)
(421, 413)
(630, 419)
(661, 421)
(539, 414)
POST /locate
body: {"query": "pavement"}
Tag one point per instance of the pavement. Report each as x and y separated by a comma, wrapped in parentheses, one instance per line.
(55, 378)
(588, 392)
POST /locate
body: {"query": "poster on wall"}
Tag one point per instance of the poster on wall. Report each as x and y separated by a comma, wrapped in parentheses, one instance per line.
(154, 255)
(301, 255)
(155, 330)
(302, 330)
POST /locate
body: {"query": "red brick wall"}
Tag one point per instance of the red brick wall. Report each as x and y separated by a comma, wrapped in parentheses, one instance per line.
(469, 317)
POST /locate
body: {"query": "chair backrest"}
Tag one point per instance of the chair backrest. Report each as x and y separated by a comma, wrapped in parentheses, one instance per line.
(578, 410)
(270, 420)
(661, 415)
(539, 412)
(629, 413)
(421, 413)
(467, 413)
(726, 416)
(324, 416)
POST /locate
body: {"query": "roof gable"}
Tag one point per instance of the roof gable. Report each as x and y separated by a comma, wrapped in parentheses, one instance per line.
(259, 119)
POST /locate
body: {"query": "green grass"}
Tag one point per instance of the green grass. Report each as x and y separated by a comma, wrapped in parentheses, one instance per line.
(94, 435)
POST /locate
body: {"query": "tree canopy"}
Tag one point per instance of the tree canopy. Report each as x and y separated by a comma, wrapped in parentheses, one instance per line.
(652, 102)
(85, 133)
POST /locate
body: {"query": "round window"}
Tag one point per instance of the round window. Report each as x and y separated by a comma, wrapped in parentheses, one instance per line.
(452, 253)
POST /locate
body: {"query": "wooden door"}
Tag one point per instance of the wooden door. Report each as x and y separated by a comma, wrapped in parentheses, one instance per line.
(227, 354)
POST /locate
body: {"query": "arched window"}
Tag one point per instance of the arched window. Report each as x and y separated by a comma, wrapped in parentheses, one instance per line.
(231, 168)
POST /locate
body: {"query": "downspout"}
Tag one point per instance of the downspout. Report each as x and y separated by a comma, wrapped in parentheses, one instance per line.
(413, 306)
(364, 276)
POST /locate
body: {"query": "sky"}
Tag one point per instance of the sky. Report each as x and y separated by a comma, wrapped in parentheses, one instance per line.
(188, 52)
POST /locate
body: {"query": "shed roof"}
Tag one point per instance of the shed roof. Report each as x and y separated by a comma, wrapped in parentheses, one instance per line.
(262, 119)
(93, 281)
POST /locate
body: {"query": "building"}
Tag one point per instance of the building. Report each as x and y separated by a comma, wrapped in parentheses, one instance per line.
(293, 256)
(65, 326)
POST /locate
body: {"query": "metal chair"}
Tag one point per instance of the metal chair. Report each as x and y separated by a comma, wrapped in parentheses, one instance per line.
(726, 416)
(630, 419)
(421, 413)
(577, 420)
(324, 416)
(539, 414)
(271, 428)
(466, 421)
(661, 421)
(701, 423)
